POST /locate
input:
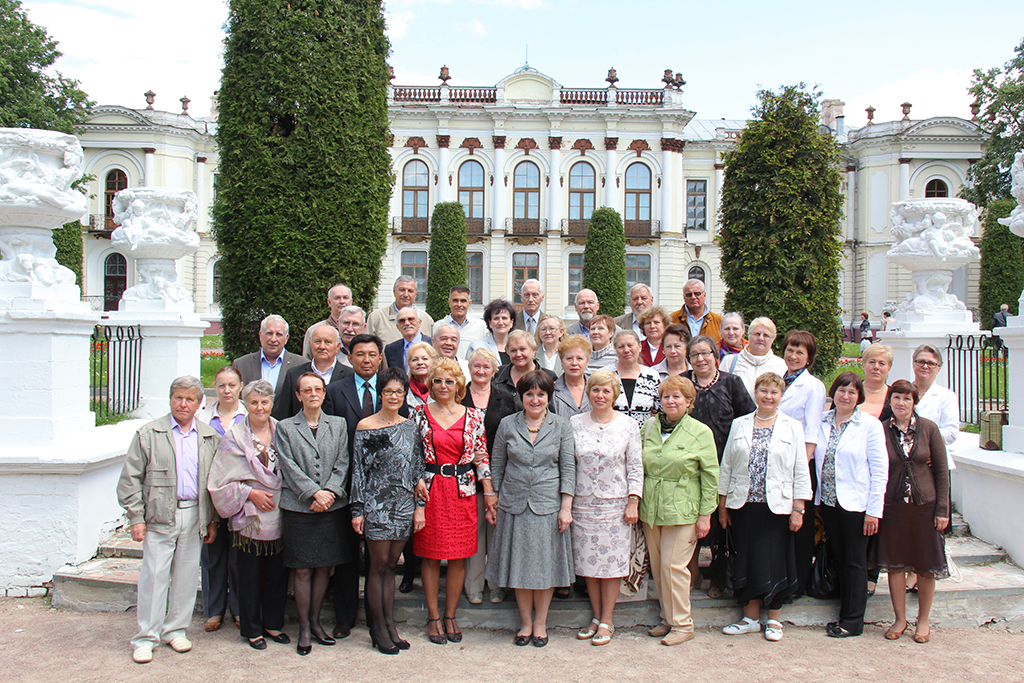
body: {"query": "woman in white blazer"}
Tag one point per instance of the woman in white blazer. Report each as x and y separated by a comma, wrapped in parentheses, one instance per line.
(763, 487)
(852, 467)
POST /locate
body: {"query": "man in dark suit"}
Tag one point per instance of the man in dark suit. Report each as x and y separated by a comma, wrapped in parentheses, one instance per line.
(354, 398)
(325, 343)
(532, 295)
(272, 362)
(409, 323)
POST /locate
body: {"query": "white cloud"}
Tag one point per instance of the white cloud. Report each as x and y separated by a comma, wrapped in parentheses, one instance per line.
(479, 29)
(398, 24)
(933, 93)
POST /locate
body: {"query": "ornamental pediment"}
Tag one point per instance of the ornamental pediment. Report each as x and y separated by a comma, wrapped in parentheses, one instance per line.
(528, 85)
(942, 127)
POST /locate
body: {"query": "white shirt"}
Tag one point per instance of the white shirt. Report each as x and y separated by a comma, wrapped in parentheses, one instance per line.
(804, 401)
(470, 330)
(325, 375)
(940, 405)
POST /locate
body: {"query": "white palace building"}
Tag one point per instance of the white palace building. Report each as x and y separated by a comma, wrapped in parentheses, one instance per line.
(530, 159)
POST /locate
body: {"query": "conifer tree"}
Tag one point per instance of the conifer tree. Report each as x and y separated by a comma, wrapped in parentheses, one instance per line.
(604, 260)
(447, 259)
(1002, 263)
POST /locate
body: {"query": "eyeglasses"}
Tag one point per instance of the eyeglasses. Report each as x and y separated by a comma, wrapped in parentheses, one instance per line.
(393, 392)
(702, 354)
(693, 295)
(926, 364)
(443, 382)
(402, 321)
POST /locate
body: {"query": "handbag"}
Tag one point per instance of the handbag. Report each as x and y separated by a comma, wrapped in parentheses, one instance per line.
(639, 562)
(723, 566)
(823, 582)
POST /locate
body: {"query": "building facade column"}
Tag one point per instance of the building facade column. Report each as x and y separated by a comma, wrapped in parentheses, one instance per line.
(499, 191)
(554, 186)
(665, 191)
(203, 212)
(851, 203)
(611, 143)
(904, 179)
(719, 188)
(444, 179)
(148, 166)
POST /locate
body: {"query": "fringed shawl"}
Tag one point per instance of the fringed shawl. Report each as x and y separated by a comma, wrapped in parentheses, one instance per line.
(237, 470)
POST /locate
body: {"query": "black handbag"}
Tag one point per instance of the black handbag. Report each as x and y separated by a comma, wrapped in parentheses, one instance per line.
(824, 580)
(723, 566)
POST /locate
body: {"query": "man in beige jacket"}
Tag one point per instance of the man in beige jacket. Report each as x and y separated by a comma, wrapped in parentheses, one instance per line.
(163, 491)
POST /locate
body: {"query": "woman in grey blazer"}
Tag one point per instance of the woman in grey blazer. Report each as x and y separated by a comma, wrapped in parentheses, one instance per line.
(533, 472)
(313, 448)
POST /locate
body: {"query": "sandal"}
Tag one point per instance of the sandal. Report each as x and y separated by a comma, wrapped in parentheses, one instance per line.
(562, 593)
(773, 631)
(590, 631)
(213, 623)
(601, 639)
(455, 635)
(440, 638)
(715, 591)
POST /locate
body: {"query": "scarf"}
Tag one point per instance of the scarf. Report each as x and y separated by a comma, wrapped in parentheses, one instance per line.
(666, 425)
(236, 470)
(725, 349)
(420, 389)
(790, 377)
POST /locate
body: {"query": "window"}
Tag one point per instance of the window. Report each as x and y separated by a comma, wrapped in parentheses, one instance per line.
(526, 191)
(936, 188)
(115, 281)
(581, 191)
(415, 179)
(697, 273)
(415, 263)
(696, 204)
(638, 193)
(575, 276)
(215, 293)
(475, 276)
(471, 189)
(638, 270)
(525, 265)
(116, 181)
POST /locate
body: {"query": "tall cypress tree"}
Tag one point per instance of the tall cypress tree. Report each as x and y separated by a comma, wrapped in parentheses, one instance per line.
(780, 214)
(604, 260)
(447, 260)
(1002, 263)
(305, 174)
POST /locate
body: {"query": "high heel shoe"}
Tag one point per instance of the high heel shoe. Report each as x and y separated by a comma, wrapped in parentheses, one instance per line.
(439, 638)
(323, 639)
(453, 635)
(384, 646)
(303, 649)
(399, 643)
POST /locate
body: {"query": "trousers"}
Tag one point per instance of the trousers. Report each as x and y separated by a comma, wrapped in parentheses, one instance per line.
(670, 549)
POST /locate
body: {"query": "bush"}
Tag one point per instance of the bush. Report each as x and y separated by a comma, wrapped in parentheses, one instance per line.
(68, 240)
(1002, 263)
(447, 260)
(305, 173)
(780, 234)
(604, 260)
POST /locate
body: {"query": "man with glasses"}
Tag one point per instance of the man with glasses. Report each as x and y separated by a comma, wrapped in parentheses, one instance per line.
(409, 325)
(383, 322)
(696, 314)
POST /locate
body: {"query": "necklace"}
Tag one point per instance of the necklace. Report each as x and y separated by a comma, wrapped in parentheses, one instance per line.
(705, 387)
(757, 416)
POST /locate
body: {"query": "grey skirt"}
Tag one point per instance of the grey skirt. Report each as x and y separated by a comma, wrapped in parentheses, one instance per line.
(314, 539)
(529, 552)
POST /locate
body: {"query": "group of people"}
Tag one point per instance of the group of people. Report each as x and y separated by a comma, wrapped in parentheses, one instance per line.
(530, 456)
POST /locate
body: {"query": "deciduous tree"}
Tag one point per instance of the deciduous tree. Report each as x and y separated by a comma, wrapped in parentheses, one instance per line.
(1002, 263)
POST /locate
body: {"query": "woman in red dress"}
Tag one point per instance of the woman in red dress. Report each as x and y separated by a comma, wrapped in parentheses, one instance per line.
(455, 451)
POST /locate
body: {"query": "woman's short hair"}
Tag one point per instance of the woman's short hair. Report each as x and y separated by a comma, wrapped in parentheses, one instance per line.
(734, 314)
(769, 378)
(260, 387)
(606, 320)
(904, 387)
(392, 374)
(421, 346)
(654, 312)
(765, 322)
(877, 350)
(681, 384)
(551, 316)
(605, 378)
(452, 368)
(625, 333)
(802, 338)
(847, 379)
(677, 330)
(928, 348)
(536, 379)
(574, 341)
(518, 335)
(298, 380)
(187, 383)
(483, 353)
(227, 368)
(496, 306)
(706, 340)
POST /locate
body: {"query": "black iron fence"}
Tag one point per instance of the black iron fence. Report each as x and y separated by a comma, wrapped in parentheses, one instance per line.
(115, 363)
(976, 372)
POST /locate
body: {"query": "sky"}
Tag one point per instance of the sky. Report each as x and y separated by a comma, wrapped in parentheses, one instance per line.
(878, 54)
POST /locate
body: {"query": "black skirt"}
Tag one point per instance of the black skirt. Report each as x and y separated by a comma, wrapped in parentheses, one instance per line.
(765, 565)
(314, 539)
(907, 539)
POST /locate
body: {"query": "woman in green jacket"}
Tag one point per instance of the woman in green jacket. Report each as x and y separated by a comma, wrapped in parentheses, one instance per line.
(680, 493)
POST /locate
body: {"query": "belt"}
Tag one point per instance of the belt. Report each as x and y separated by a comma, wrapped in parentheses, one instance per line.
(187, 504)
(448, 469)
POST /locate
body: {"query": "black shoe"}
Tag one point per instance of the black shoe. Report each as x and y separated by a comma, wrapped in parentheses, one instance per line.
(407, 583)
(540, 642)
(453, 635)
(258, 644)
(303, 649)
(384, 646)
(522, 641)
(279, 638)
(839, 632)
(323, 639)
(439, 638)
(342, 631)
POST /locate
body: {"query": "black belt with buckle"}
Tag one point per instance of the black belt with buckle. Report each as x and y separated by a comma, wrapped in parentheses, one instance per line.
(448, 469)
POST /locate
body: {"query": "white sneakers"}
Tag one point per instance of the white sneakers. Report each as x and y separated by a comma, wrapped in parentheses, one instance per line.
(142, 655)
(747, 625)
(180, 644)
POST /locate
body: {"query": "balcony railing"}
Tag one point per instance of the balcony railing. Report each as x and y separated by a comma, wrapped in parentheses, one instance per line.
(425, 94)
(99, 222)
(526, 226)
(478, 226)
(599, 96)
(584, 96)
(650, 228)
(410, 226)
(644, 97)
(473, 95)
(575, 227)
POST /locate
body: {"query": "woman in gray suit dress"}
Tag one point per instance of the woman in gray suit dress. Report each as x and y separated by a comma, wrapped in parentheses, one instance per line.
(533, 472)
(313, 450)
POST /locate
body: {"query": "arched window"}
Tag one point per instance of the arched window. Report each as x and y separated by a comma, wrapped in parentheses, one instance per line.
(582, 181)
(526, 199)
(415, 179)
(471, 195)
(696, 273)
(637, 220)
(116, 181)
(936, 188)
(115, 281)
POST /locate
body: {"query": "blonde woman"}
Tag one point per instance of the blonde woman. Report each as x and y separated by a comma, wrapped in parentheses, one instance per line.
(570, 396)
(419, 358)
(877, 362)
(522, 354)
(550, 331)
(757, 358)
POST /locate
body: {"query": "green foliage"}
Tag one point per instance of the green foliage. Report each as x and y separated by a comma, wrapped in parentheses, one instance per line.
(1002, 263)
(1000, 92)
(447, 260)
(68, 240)
(780, 215)
(30, 95)
(305, 174)
(604, 260)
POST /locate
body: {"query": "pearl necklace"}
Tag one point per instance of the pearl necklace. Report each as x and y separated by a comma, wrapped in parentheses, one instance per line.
(765, 419)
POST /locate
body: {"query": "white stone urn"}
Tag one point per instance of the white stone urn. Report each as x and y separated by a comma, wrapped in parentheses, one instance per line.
(933, 239)
(153, 230)
(37, 168)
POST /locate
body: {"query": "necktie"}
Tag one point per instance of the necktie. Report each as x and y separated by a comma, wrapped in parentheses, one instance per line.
(531, 326)
(367, 401)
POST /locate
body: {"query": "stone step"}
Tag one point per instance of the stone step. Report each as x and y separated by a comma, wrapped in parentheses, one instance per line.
(990, 589)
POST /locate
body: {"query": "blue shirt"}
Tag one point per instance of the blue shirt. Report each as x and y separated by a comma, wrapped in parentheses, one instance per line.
(696, 323)
(364, 385)
(186, 460)
(271, 371)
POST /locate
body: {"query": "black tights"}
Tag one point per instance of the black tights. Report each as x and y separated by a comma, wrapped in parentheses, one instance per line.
(380, 588)
(310, 589)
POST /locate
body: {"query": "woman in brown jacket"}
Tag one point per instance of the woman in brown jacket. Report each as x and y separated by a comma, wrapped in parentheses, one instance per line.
(916, 509)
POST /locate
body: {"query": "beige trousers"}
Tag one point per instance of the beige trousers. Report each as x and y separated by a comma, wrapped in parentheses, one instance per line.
(476, 564)
(168, 580)
(670, 549)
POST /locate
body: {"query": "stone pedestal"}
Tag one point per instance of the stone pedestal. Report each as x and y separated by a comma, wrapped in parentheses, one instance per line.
(1013, 338)
(904, 341)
